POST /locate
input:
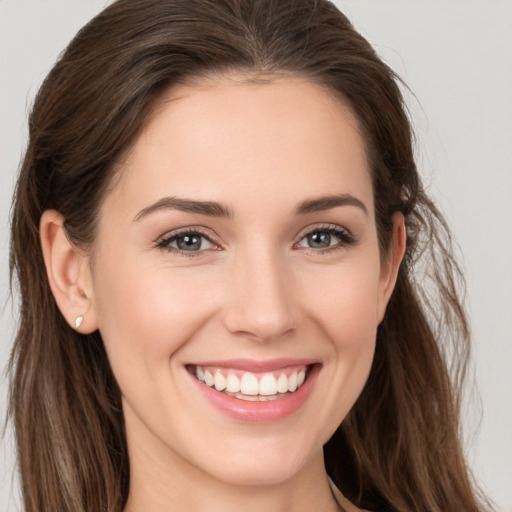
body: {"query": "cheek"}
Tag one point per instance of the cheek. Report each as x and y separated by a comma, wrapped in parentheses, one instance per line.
(342, 303)
(146, 313)
(348, 304)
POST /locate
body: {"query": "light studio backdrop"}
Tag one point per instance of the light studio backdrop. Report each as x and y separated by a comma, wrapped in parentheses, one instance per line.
(455, 55)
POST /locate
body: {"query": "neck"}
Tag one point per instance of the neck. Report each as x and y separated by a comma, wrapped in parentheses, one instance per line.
(177, 487)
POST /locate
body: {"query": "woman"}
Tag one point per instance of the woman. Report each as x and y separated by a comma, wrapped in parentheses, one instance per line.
(214, 233)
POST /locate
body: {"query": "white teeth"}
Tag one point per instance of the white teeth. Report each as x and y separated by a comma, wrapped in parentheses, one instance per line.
(282, 383)
(268, 398)
(248, 398)
(268, 385)
(292, 382)
(208, 378)
(249, 384)
(219, 381)
(232, 383)
(248, 387)
(259, 398)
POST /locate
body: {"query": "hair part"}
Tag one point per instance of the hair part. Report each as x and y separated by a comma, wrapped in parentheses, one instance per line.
(399, 446)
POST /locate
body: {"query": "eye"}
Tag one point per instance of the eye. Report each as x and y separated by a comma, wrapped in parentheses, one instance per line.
(187, 241)
(326, 238)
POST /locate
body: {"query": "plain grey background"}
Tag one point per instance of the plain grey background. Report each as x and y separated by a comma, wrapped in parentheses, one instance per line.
(456, 57)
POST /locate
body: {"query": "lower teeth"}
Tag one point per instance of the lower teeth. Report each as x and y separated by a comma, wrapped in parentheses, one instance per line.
(255, 398)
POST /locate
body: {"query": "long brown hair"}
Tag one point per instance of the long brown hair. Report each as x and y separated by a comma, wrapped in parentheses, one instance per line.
(399, 447)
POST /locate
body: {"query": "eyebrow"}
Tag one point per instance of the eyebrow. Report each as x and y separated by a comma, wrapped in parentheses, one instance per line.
(210, 208)
(214, 209)
(323, 203)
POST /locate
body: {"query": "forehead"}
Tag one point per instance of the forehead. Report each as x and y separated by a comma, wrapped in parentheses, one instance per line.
(282, 137)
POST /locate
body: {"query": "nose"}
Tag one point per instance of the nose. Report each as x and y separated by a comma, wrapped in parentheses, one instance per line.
(261, 302)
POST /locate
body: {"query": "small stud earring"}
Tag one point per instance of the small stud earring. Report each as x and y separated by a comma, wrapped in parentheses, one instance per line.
(78, 321)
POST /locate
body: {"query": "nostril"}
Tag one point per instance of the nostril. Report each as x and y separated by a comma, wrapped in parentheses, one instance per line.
(260, 305)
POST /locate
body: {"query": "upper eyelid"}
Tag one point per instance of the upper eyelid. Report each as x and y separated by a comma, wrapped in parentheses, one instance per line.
(206, 233)
(188, 229)
(319, 227)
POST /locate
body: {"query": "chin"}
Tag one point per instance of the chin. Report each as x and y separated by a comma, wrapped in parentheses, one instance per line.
(262, 462)
(256, 473)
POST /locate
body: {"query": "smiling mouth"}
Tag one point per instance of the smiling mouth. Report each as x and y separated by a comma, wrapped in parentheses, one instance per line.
(252, 387)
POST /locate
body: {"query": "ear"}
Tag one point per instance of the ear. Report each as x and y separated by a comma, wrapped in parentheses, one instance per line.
(391, 264)
(68, 273)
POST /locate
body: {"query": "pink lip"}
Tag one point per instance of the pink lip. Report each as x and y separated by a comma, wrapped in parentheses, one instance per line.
(255, 366)
(258, 412)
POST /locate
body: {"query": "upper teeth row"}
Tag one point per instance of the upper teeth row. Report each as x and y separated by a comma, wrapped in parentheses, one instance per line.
(249, 383)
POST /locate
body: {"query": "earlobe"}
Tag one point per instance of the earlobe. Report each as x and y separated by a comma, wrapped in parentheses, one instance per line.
(391, 266)
(68, 273)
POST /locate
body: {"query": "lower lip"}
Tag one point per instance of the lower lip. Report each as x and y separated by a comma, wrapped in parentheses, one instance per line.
(259, 412)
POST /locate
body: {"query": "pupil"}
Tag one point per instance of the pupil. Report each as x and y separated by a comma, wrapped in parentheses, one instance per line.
(189, 242)
(319, 240)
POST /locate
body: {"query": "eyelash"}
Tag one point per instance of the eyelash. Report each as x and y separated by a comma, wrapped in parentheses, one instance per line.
(164, 243)
(346, 240)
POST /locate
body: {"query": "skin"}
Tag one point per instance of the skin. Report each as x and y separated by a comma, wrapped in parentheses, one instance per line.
(256, 290)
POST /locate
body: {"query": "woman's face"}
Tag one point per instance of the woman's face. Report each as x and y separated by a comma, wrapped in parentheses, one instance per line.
(238, 248)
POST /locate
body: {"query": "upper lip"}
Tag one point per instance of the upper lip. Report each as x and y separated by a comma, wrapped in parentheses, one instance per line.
(254, 365)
